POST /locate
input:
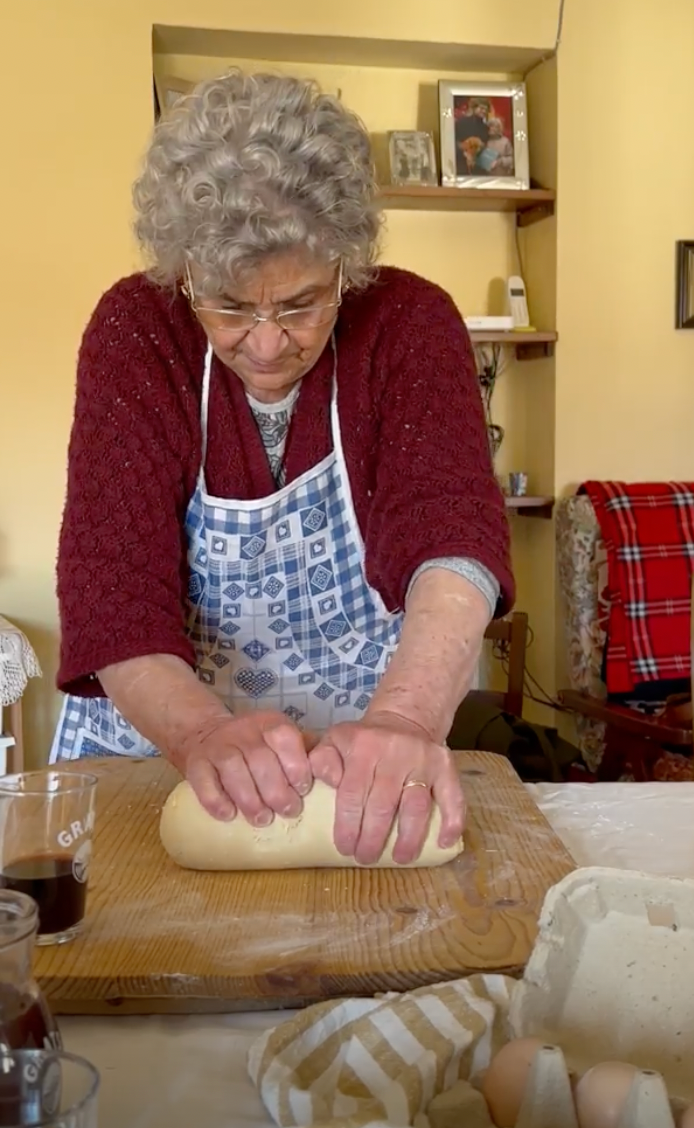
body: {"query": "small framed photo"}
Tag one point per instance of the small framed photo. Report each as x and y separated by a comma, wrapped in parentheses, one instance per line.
(684, 310)
(169, 89)
(484, 135)
(412, 157)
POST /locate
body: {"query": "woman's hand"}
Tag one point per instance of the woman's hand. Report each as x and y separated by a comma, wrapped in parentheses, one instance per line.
(371, 762)
(392, 763)
(255, 765)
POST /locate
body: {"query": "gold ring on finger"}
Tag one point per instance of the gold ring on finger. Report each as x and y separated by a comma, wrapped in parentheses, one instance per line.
(415, 783)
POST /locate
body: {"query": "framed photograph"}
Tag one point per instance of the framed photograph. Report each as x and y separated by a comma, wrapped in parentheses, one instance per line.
(484, 135)
(684, 312)
(412, 158)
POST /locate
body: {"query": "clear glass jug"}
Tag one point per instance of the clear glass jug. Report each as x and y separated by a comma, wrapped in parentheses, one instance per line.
(25, 1019)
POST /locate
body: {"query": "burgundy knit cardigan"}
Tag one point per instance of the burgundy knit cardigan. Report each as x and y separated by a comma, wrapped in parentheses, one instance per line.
(412, 429)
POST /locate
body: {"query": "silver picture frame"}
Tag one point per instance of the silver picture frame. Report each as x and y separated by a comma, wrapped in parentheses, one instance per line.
(472, 156)
(412, 158)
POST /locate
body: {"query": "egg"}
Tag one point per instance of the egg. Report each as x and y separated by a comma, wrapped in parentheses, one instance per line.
(504, 1083)
(602, 1093)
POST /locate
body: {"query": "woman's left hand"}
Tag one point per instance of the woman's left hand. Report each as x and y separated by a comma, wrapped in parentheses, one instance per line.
(371, 762)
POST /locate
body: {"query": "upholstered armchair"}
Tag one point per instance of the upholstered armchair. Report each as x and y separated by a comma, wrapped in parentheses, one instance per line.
(615, 740)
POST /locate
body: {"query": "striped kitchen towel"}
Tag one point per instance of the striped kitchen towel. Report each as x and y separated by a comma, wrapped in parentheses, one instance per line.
(386, 1061)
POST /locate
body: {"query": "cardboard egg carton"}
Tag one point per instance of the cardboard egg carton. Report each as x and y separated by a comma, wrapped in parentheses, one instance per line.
(609, 980)
(548, 1100)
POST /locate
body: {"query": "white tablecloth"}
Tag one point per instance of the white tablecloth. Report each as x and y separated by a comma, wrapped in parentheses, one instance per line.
(175, 1072)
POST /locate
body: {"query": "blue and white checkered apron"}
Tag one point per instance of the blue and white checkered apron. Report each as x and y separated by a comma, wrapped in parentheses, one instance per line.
(279, 608)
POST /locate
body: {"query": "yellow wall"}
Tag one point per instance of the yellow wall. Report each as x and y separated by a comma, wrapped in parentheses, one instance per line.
(73, 124)
(76, 90)
(625, 377)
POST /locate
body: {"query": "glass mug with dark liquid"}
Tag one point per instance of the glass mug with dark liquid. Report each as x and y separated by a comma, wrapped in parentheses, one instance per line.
(46, 828)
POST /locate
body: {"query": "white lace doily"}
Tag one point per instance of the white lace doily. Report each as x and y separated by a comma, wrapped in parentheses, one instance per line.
(18, 663)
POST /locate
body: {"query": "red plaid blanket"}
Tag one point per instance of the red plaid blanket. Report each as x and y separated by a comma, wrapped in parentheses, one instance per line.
(648, 530)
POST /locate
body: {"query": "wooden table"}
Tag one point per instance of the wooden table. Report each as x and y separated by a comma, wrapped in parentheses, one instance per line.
(159, 939)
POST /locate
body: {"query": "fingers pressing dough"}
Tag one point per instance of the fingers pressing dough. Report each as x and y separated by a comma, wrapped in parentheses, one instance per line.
(196, 840)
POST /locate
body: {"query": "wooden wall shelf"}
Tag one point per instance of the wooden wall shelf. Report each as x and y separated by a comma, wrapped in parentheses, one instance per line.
(530, 506)
(528, 346)
(529, 206)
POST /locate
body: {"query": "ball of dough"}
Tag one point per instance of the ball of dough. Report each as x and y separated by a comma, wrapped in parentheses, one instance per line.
(196, 840)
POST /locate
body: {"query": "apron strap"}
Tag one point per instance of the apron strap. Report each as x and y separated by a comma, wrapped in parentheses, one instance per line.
(204, 406)
(334, 419)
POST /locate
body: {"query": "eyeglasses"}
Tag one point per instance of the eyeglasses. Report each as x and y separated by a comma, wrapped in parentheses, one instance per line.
(242, 321)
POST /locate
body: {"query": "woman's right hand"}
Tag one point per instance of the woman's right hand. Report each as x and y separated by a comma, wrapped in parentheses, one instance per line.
(255, 765)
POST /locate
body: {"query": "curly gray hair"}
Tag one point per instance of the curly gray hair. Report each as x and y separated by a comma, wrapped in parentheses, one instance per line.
(250, 165)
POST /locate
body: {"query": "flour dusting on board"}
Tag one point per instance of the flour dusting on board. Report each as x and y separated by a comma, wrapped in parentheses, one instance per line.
(275, 936)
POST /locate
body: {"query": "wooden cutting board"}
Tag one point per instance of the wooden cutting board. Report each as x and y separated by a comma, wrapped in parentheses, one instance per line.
(159, 939)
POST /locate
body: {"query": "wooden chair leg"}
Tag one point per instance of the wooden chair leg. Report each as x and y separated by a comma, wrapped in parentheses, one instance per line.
(642, 756)
(516, 663)
(15, 754)
(611, 765)
(625, 752)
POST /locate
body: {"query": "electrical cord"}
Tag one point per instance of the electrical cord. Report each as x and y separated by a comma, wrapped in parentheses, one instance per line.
(501, 652)
(490, 362)
(560, 25)
(519, 252)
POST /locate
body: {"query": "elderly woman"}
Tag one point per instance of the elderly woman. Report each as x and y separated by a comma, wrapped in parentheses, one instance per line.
(283, 539)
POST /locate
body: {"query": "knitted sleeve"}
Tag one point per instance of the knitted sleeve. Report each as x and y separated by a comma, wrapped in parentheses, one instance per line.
(436, 494)
(122, 558)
